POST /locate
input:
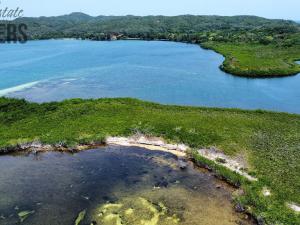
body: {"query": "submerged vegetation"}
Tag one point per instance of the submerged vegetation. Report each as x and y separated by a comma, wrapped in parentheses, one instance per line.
(269, 141)
(253, 46)
(24, 215)
(112, 185)
(134, 211)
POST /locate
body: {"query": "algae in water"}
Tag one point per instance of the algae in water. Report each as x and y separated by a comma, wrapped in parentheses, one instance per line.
(24, 215)
(80, 217)
(134, 211)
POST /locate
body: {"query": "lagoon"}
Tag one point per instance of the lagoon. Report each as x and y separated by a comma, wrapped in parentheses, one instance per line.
(164, 72)
(110, 184)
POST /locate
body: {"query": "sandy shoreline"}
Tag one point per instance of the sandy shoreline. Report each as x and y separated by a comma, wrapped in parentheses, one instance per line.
(155, 143)
(150, 143)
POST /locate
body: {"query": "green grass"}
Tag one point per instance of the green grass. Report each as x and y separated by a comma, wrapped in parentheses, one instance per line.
(270, 141)
(256, 60)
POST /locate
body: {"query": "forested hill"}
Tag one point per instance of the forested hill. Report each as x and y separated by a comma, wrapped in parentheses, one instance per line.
(199, 28)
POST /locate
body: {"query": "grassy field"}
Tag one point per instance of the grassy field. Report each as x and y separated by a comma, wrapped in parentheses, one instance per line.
(270, 141)
(255, 60)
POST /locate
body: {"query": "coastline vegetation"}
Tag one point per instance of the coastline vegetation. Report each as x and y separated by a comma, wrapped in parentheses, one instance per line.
(269, 141)
(253, 46)
(254, 60)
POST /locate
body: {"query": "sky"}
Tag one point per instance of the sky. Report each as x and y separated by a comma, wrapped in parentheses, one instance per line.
(279, 9)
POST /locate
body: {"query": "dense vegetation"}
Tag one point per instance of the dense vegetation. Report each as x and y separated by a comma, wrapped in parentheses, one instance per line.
(181, 28)
(253, 46)
(257, 60)
(270, 141)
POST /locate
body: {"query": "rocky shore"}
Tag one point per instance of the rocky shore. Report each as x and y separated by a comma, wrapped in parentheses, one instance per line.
(37, 146)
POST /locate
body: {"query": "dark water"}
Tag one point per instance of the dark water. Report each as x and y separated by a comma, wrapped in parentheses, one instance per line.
(134, 185)
(164, 72)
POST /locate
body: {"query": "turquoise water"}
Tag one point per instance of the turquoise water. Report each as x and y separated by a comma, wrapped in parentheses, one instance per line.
(164, 72)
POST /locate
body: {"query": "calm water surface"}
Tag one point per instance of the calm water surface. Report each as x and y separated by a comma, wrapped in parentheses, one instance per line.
(165, 72)
(111, 184)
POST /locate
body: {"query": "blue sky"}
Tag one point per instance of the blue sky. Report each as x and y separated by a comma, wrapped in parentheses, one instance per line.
(287, 9)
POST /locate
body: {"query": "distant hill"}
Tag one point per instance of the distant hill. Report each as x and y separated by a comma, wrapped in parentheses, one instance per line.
(81, 25)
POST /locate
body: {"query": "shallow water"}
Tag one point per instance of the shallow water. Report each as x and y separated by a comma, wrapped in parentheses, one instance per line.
(164, 72)
(135, 185)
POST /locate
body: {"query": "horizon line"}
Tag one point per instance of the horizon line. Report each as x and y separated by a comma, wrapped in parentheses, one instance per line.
(112, 15)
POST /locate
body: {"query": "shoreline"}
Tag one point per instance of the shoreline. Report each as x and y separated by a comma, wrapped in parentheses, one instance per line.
(215, 156)
(155, 143)
(150, 143)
